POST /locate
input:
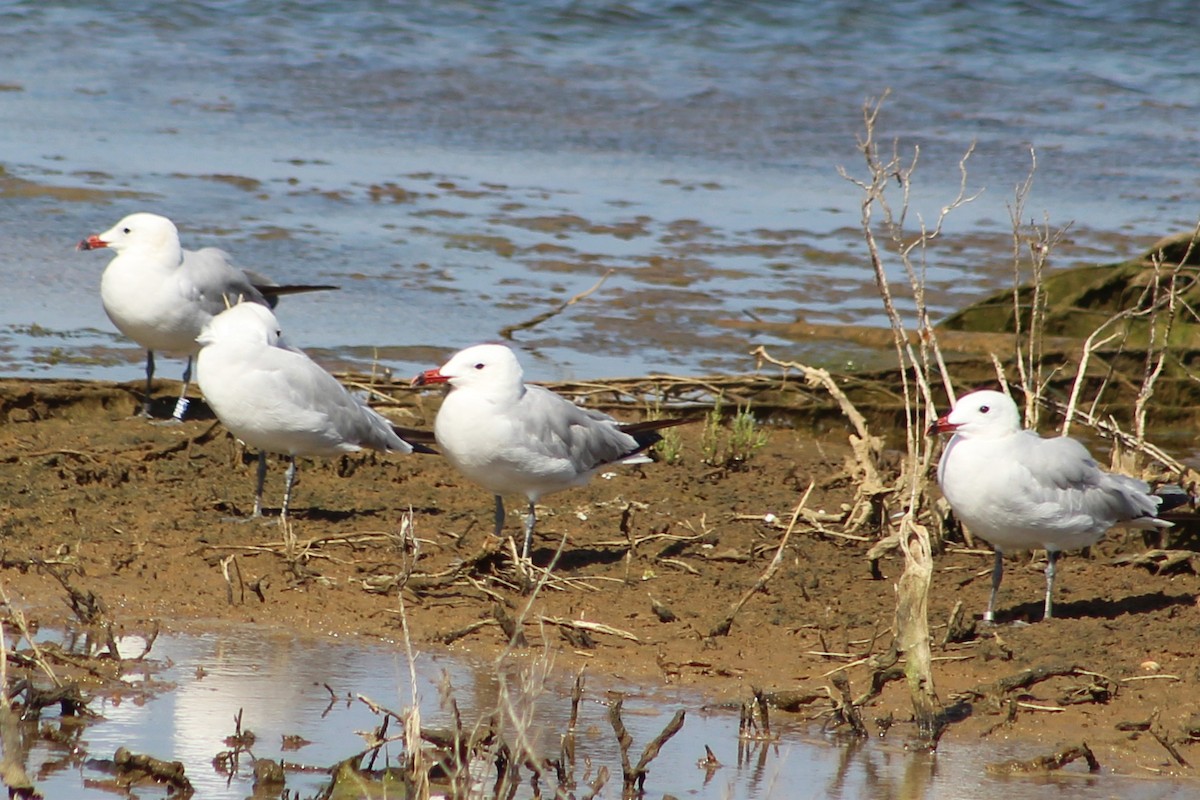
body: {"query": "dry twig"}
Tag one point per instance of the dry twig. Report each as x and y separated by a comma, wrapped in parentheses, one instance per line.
(1047, 763)
(634, 777)
(12, 766)
(507, 331)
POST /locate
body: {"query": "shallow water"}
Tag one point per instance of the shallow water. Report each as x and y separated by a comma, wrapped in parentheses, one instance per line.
(283, 685)
(463, 166)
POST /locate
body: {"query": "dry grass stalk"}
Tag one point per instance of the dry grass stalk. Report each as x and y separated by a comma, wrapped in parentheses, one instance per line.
(1156, 353)
(18, 618)
(416, 763)
(12, 765)
(1160, 304)
(1029, 343)
(518, 698)
(592, 627)
(918, 363)
(566, 763)
(870, 488)
(1111, 430)
(1090, 345)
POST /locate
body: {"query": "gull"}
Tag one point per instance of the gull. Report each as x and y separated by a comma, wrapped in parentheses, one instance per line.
(277, 399)
(1020, 491)
(514, 438)
(160, 295)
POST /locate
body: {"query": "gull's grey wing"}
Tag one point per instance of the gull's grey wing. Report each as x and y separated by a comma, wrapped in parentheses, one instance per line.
(1061, 471)
(560, 429)
(212, 280)
(320, 404)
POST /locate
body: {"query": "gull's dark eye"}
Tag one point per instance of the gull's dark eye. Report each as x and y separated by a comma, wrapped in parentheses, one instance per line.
(126, 230)
(984, 409)
(479, 365)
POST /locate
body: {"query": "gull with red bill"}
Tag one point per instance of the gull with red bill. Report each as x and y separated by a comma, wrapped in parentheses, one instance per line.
(1020, 491)
(516, 438)
(161, 296)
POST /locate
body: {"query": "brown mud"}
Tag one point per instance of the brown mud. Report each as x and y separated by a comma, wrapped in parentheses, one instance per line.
(146, 517)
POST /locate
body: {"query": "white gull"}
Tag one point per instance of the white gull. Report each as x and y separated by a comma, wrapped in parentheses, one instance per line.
(1019, 491)
(277, 399)
(160, 295)
(514, 438)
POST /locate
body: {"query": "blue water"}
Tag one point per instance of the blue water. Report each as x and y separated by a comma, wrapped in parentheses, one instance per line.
(692, 148)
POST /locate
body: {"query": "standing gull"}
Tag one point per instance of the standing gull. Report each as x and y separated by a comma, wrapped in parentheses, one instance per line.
(1021, 492)
(514, 438)
(160, 295)
(277, 399)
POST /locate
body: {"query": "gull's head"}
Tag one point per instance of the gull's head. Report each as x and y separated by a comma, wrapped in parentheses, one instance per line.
(245, 323)
(141, 231)
(985, 414)
(486, 367)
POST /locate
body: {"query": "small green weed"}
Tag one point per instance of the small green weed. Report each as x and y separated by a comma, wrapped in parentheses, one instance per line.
(710, 437)
(739, 445)
(670, 448)
(745, 436)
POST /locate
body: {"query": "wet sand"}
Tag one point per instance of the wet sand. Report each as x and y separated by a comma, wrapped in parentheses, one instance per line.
(145, 517)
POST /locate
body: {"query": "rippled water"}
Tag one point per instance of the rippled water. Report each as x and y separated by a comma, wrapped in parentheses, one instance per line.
(462, 166)
(288, 686)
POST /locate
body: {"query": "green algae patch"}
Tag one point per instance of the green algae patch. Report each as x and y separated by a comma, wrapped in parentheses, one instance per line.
(1079, 301)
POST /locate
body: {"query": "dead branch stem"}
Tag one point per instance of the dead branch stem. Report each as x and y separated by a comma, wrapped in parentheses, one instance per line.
(508, 331)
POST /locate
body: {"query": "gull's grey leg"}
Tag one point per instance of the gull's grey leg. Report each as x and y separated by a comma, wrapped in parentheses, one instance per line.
(530, 521)
(259, 480)
(1051, 569)
(181, 405)
(288, 480)
(997, 576)
(149, 383)
(499, 516)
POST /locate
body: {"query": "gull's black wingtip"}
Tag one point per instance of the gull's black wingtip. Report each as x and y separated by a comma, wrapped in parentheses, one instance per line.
(1172, 496)
(646, 433)
(418, 439)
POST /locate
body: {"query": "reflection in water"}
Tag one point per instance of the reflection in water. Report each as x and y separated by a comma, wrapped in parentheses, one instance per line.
(184, 703)
(918, 775)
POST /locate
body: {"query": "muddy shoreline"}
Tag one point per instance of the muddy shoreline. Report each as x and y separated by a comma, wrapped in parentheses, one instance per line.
(146, 517)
